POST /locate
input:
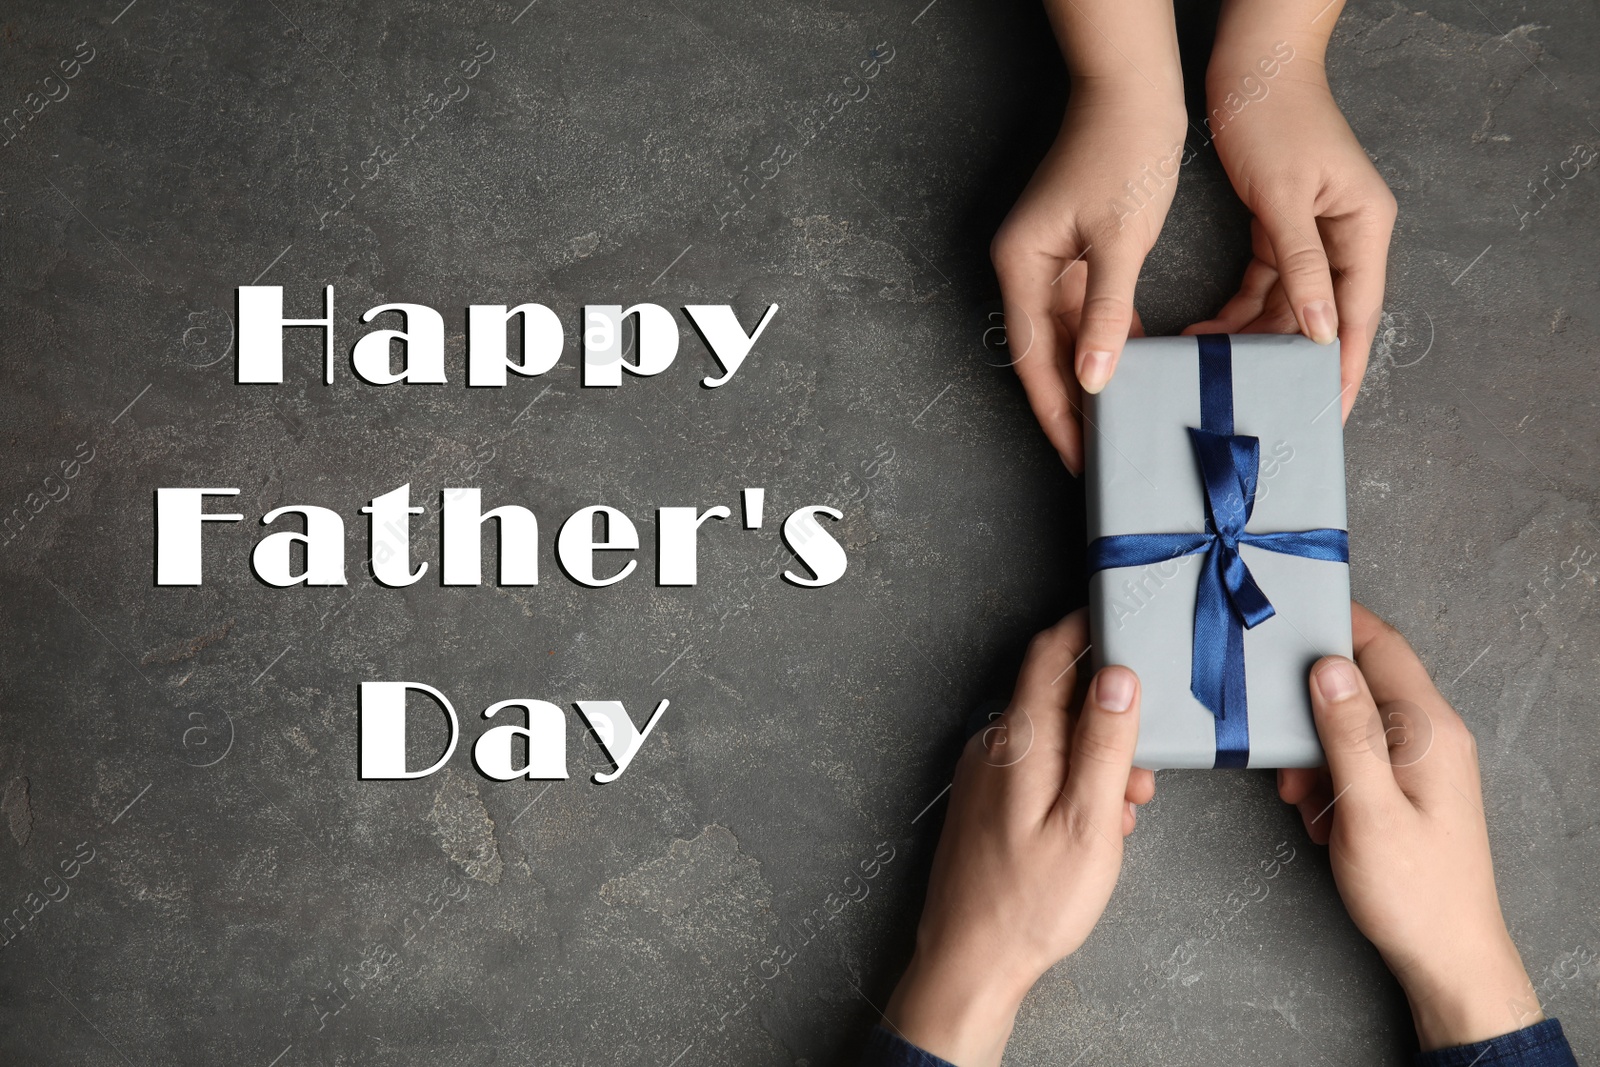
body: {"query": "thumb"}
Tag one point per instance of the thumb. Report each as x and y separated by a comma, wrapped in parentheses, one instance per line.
(1351, 731)
(1107, 315)
(1102, 755)
(1302, 266)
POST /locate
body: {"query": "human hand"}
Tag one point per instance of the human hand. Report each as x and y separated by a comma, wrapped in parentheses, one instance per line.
(1031, 849)
(1068, 255)
(1400, 808)
(1322, 214)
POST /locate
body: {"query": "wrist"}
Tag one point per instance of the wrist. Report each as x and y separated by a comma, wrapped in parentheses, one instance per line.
(1266, 59)
(960, 1013)
(1476, 999)
(1134, 104)
(1260, 81)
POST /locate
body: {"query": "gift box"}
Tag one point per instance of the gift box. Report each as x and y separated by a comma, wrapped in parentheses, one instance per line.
(1218, 557)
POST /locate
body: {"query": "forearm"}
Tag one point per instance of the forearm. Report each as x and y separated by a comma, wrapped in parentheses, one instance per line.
(1252, 31)
(1130, 46)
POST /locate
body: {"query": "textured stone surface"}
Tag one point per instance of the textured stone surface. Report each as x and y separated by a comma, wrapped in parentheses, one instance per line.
(247, 900)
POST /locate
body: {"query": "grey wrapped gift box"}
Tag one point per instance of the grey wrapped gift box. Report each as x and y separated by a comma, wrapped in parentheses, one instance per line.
(1148, 474)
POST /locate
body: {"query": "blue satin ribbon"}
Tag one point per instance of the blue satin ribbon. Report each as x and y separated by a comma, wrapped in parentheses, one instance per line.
(1227, 599)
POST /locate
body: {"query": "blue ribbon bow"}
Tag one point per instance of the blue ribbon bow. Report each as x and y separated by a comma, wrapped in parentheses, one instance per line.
(1227, 599)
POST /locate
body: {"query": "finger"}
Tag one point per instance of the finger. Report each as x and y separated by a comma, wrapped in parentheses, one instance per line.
(1352, 736)
(1317, 810)
(1358, 251)
(1130, 818)
(1051, 669)
(1296, 783)
(1365, 625)
(1029, 742)
(1272, 312)
(1291, 227)
(1430, 745)
(1392, 670)
(1107, 314)
(1141, 786)
(1093, 803)
(1310, 791)
(1028, 295)
(1245, 306)
(1276, 314)
(1053, 391)
(1275, 318)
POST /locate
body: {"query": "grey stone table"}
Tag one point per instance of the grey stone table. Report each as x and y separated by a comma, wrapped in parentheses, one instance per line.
(191, 870)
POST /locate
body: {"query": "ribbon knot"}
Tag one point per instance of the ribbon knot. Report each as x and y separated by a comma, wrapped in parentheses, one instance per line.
(1227, 599)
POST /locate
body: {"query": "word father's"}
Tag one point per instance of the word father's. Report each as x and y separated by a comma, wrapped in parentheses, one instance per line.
(180, 517)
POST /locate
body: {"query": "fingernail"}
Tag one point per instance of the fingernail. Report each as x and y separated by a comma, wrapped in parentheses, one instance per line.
(1336, 681)
(1094, 370)
(1113, 689)
(1133, 811)
(1321, 321)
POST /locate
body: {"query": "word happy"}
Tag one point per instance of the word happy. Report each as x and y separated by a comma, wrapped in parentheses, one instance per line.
(421, 341)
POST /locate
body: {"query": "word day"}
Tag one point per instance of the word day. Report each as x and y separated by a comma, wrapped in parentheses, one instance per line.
(382, 711)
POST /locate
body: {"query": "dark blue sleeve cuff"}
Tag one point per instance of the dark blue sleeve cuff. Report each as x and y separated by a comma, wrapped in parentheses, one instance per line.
(1540, 1045)
(888, 1049)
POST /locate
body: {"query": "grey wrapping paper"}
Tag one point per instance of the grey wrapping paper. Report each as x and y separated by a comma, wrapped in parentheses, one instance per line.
(1142, 477)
